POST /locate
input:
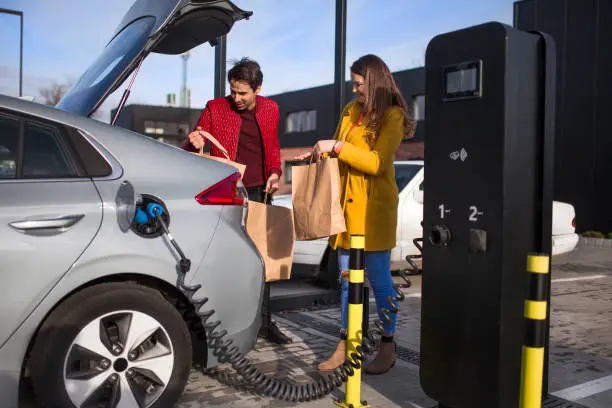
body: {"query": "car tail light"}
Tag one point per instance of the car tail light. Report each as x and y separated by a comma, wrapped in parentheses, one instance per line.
(574, 222)
(228, 191)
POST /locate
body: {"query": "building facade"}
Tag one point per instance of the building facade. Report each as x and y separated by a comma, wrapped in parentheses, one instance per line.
(168, 124)
(306, 116)
(582, 31)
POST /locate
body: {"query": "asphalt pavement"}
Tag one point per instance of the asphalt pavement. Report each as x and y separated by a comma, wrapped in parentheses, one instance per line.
(580, 349)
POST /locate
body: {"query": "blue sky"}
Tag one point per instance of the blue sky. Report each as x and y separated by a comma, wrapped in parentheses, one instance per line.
(292, 40)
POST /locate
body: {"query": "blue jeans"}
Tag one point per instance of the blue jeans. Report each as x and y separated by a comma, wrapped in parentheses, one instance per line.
(378, 272)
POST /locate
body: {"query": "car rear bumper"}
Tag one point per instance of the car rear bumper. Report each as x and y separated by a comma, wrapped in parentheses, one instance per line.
(309, 252)
(564, 243)
(9, 389)
(232, 278)
(245, 340)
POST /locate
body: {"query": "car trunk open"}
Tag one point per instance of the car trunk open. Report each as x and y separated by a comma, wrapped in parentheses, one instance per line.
(162, 26)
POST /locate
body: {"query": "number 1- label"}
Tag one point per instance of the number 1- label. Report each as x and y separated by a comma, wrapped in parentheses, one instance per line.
(443, 211)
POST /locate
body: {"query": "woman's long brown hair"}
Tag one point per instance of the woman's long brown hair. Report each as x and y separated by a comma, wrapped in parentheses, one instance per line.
(382, 93)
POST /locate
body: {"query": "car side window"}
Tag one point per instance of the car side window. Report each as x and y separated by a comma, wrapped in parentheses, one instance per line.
(9, 145)
(32, 149)
(44, 155)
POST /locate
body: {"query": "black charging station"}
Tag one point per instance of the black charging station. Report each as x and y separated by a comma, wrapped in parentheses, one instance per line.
(488, 203)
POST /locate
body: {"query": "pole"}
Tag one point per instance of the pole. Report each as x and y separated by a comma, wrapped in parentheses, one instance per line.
(20, 14)
(536, 316)
(340, 59)
(21, 56)
(220, 66)
(355, 320)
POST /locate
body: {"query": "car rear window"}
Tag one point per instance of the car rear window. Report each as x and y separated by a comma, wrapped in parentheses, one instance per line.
(95, 165)
(404, 173)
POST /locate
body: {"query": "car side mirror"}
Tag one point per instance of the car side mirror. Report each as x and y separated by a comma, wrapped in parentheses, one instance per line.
(418, 196)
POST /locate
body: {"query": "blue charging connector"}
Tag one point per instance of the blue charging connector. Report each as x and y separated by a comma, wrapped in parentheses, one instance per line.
(152, 211)
(141, 217)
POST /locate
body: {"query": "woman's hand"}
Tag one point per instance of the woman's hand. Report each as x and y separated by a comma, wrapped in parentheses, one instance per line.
(324, 146)
(327, 146)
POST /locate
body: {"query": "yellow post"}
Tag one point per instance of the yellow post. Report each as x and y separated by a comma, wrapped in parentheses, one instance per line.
(532, 372)
(355, 319)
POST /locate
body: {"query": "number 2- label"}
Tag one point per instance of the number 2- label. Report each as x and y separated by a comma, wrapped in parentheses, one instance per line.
(474, 213)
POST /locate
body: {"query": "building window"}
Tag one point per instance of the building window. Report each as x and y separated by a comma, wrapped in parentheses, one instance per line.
(418, 105)
(183, 129)
(292, 123)
(152, 127)
(301, 121)
(311, 120)
(287, 172)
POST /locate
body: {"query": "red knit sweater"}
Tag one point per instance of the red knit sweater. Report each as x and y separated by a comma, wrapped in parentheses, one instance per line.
(220, 119)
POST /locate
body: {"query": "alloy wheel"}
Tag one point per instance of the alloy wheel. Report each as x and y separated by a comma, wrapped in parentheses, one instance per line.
(123, 359)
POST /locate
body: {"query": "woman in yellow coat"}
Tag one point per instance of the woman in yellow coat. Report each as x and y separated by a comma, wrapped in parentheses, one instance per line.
(369, 132)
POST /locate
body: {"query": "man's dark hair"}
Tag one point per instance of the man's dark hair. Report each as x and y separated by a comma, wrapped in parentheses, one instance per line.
(246, 70)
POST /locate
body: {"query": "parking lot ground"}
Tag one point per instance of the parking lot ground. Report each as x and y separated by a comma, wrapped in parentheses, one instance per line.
(580, 349)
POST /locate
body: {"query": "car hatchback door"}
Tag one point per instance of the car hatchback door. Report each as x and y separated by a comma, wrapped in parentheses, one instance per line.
(50, 212)
(162, 27)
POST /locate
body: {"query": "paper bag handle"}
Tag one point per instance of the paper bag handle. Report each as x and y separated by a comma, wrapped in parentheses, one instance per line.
(346, 183)
(214, 141)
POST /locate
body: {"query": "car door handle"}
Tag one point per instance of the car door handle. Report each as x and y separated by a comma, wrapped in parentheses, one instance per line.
(63, 222)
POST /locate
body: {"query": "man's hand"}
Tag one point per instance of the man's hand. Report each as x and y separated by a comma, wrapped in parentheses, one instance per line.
(196, 139)
(272, 184)
(302, 157)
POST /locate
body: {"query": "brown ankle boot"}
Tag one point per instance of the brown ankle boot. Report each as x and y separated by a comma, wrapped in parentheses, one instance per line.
(384, 361)
(336, 359)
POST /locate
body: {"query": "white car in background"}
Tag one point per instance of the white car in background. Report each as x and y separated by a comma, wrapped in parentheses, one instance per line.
(409, 176)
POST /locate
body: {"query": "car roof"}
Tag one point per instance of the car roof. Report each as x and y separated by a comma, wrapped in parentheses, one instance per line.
(104, 133)
(122, 144)
(46, 112)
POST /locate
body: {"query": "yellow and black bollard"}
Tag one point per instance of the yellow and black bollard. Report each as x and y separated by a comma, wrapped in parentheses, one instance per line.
(355, 320)
(532, 372)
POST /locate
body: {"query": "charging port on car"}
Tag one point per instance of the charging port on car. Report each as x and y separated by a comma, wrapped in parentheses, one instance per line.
(149, 226)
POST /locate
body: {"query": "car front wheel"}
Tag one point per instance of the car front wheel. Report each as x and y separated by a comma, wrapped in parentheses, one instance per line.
(112, 345)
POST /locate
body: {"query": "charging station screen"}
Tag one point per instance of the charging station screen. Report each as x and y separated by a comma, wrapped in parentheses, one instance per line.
(462, 81)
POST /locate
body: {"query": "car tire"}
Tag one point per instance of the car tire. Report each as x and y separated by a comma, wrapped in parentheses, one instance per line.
(72, 355)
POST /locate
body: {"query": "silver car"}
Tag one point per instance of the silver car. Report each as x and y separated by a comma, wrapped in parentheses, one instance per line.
(90, 306)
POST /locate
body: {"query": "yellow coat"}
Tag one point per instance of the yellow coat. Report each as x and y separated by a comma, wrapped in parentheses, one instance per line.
(367, 176)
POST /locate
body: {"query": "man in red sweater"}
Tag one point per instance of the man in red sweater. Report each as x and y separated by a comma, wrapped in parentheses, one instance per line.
(246, 124)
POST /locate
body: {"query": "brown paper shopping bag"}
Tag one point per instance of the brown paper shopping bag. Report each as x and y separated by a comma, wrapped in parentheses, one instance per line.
(226, 160)
(271, 229)
(317, 210)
